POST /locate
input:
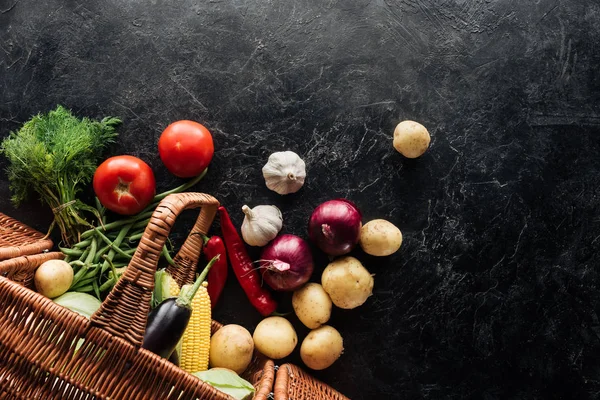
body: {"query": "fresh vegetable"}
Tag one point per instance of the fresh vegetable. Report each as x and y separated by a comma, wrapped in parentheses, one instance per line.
(53, 278)
(335, 226)
(275, 337)
(174, 357)
(248, 277)
(261, 224)
(321, 347)
(380, 238)
(218, 273)
(312, 305)
(347, 282)
(286, 263)
(168, 321)
(195, 344)
(124, 184)
(186, 148)
(55, 155)
(411, 139)
(80, 303)
(104, 251)
(228, 382)
(164, 287)
(284, 172)
(231, 347)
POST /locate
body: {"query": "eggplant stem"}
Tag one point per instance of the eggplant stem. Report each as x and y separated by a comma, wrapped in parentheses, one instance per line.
(187, 292)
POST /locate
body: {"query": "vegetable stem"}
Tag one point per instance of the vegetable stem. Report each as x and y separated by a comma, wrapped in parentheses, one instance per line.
(188, 292)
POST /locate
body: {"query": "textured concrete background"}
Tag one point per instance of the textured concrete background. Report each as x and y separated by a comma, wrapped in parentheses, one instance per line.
(494, 294)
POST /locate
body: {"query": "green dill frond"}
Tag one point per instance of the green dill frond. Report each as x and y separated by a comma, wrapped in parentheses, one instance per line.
(54, 154)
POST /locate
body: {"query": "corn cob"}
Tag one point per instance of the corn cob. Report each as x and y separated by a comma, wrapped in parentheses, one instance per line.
(195, 344)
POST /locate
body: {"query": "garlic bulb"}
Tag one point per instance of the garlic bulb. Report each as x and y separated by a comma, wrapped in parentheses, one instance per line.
(261, 224)
(284, 172)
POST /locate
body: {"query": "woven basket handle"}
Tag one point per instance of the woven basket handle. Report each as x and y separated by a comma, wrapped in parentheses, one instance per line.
(124, 312)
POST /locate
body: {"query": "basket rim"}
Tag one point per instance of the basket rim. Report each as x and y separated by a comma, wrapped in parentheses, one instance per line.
(33, 241)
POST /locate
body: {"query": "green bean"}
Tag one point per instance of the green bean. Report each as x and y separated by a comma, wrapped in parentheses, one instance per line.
(71, 252)
(117, 242)
(95, 287)
(167, 256)
(85, 289)
(83, 244)
(92, 251)
(91, 271)
(136, 237)
(77, 263)
(100, 253)
(77, 277)
(179, 189)
(84, 255)
(118, 224)
(141, 224)
(107, 285)
(113, 246)
(82, 283)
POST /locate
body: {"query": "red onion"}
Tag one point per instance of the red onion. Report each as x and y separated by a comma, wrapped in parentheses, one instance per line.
(286, 263)
(335, 226)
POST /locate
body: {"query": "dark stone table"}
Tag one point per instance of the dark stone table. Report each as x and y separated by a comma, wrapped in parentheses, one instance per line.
(495, 292)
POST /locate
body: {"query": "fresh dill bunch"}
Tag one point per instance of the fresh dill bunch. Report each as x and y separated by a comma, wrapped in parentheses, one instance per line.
(55, 155)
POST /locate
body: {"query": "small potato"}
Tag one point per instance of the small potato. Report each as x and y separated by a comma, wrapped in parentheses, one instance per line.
(312, 305)
(53, 278)
(347, 282)
(275, 337)
(231, 347)
(321, 347)
(411, 139)
(380, 238)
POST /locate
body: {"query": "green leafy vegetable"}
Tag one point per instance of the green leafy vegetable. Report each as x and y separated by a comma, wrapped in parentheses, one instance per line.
(227, 381)
(54, 155)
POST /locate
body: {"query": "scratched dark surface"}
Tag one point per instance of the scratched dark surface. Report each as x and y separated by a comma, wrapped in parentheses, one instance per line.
(495, 292)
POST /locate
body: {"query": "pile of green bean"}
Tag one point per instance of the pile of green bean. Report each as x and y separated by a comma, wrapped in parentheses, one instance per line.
(104, 251)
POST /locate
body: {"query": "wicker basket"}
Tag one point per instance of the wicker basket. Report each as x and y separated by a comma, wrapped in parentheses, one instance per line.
(17, 239)
(38, 338)
(292, 383)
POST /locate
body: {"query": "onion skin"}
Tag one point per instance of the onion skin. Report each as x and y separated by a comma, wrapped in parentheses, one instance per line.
(286, 263)
(335, 226)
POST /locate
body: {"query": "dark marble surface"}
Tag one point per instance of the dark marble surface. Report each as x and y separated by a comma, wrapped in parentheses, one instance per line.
(495, 292)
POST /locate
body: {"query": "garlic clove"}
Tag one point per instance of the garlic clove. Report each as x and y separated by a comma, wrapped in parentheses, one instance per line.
(284, 172)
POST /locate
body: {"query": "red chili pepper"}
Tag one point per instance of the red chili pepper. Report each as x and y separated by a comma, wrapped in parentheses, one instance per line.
(217, 276)
(241, 264)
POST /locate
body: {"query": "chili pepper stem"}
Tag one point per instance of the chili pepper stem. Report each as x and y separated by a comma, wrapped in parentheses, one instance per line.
(187, 293)
(205, 238)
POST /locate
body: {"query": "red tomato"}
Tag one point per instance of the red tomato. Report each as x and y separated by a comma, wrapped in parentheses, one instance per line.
(186, 148)
(124, 184)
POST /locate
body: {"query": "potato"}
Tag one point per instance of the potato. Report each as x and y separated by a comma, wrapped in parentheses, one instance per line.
(231, 347)
(275, 337)
(347, 282)
(53, 278)
(380, 238)
(312, 305)
(411, 139)
(321, 347)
